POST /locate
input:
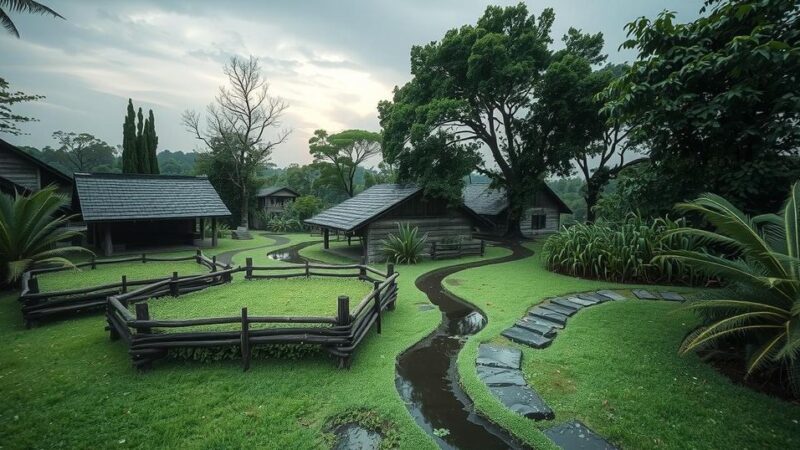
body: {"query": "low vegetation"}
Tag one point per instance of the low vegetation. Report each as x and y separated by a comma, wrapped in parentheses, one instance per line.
(406, 246)
(759, 309)
(623, 251)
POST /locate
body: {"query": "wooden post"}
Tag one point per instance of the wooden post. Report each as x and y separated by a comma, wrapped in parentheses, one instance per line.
(197, 255)
(348, 239)
(108, 245)
(173, 285)
(343, 310)
(202, 228)
(362, 271)
(249, 268)
(94, 262)
(433, 250)
(483, 247)
(308, 271)
(144, 258)
(33, 285)
(142, 313)
(377, 307)
(245, 341)
(389, 273)
(213, 231)
(124, 284)
(326, 239)
(214, 263)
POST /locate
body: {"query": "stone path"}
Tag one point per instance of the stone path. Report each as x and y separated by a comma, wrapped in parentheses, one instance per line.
(499, 367)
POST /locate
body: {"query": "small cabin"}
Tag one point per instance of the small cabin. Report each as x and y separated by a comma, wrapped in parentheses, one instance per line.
(24, 173)
(275, 199)
(133, 211)
(543, 216)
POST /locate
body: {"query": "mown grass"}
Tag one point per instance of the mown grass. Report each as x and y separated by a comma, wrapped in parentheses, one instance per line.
(112, 273)
(615, 367)
(66, 385)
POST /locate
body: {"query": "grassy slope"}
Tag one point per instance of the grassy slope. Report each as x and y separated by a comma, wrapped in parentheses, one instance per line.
(615, 368)
(64, 384)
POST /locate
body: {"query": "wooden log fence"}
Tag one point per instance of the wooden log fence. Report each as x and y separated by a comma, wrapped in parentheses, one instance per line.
(38, 306)
(444, 250)
(149, 338)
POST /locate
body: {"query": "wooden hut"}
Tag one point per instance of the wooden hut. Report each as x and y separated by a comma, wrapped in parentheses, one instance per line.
(124, 211)
(374, 214)
(272, 200)
(24, 173)
(542, 217)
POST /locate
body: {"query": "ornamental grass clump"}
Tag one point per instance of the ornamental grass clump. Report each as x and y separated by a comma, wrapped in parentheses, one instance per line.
(758, 309)
(31, 226)
(621, 251)
(406, 246)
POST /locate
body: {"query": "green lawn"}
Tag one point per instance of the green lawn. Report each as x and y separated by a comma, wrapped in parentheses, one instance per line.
(615, 367)
(66, 385)
(111, 273)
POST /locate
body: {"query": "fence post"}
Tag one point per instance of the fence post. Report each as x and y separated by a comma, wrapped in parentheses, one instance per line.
(308, 271)
(33, 285)
(433, 250)
(362, 271)
(483, 247)
(343, 310)
(197, 256)
(144, 258)
(249, 268)
(142, 313)
(94, 262)
(389, 273)
(173, 285)
(214, 263)
(124, 284)
(112, 330)
(245, 345)
(377, 289)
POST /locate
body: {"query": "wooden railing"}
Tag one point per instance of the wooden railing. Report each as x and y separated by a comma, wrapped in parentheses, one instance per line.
(444, 250)
(149, 338)
(37, 305)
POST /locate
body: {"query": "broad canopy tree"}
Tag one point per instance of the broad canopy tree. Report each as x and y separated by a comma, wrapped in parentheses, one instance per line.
(236, 126)
(477, 90)
(82, 152)
(345, 152)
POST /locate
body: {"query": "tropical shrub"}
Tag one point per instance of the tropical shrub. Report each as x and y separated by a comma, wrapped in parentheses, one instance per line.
(621, 251)
(282, 224)
(223, 230)
(406, 246)
(30, 228)
(760, 305)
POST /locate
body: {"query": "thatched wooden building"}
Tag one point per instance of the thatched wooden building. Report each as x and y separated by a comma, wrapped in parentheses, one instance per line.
(22, 172)
(124, 211)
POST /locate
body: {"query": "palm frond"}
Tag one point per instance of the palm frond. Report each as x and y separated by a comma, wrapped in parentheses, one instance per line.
(29, 7)
(8, 24)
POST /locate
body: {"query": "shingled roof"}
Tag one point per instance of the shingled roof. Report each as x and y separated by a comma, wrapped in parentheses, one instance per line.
(269, 190)
(112, 197)
(361, 209)
(490, 202)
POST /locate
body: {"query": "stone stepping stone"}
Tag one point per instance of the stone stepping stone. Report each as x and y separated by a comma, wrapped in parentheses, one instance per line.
(672, 296)
(524, 401)
(559, 309)
(538, 320)
(583, 301)
(496, 376)
(599, 298)
(566, 303)
(644, 294)
(523, 336)
(612, 295)
(502, 357)
(546, 330)
(549, 315)
(574, 435)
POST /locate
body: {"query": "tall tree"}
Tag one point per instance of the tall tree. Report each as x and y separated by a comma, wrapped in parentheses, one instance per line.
(717, 100)
(236, 125)
(129, 147)
(346, 151)
(478, 87)
(142, 155)
(82, 152)
(22, 6)
(9, 120)
(151, 143)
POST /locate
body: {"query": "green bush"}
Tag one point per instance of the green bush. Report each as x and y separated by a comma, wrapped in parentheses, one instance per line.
(622, 251)
(406, 246)
(759, 309)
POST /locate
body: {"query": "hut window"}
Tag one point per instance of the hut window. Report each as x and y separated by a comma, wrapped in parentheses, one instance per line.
(538, 221)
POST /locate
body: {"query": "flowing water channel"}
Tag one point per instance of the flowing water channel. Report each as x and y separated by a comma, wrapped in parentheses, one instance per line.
(427, 377)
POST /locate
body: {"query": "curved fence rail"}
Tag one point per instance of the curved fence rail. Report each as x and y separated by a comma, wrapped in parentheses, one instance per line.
(38, 306)
(149, 338)
(445, 250)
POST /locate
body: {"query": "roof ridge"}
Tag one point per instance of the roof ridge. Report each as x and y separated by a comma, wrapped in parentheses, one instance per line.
(139, 175)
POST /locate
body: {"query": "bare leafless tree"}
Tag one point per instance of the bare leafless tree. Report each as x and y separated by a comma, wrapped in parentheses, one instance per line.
(237, 122)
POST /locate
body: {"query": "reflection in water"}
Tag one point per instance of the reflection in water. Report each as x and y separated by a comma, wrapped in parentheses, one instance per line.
(427, 377)
(290, 254)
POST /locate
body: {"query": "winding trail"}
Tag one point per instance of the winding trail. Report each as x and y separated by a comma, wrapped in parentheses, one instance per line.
(427, 375)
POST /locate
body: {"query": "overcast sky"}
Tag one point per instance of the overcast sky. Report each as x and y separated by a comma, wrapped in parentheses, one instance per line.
(332, 61)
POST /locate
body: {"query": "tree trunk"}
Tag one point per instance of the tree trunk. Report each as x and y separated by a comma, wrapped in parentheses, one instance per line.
(245, 221)
(514, 229)
(592, 194)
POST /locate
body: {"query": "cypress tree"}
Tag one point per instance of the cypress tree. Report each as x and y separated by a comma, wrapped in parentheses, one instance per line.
(152, 143)
(142, 164)
(129, 159)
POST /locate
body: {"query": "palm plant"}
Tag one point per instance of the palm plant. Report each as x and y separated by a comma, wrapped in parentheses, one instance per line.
(30, 228)
(282, 224)
(22, 6)
(406, 246)
(762, 281)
